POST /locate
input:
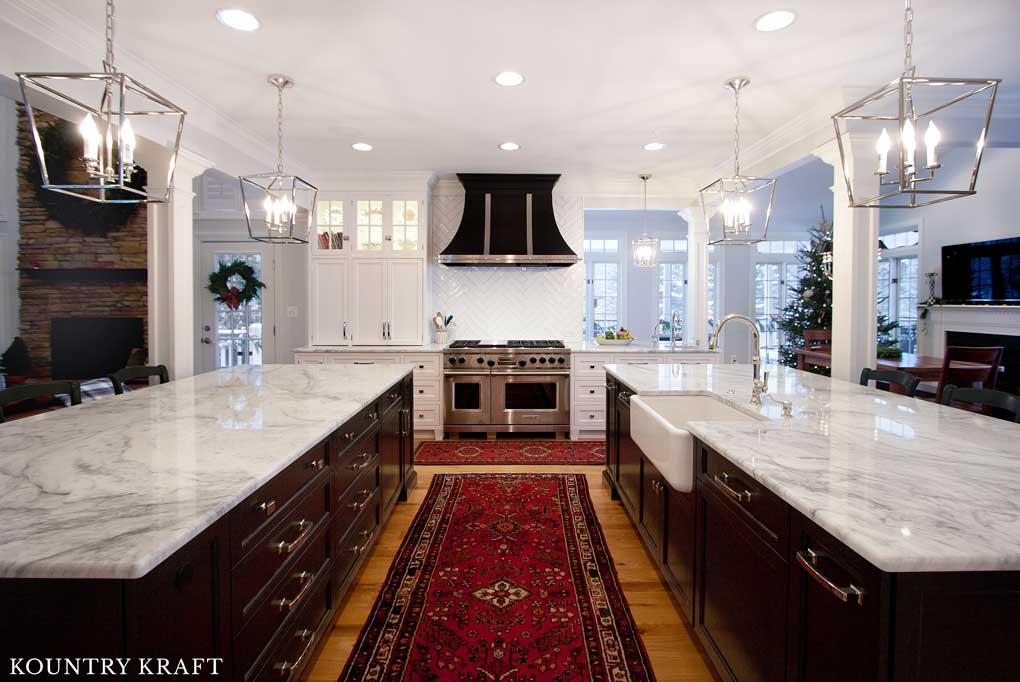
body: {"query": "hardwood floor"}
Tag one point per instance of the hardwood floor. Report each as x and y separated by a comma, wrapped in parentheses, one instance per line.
(674, 654)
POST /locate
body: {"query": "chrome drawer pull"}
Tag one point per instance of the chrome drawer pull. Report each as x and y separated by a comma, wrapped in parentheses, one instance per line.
(809, 560)
(348, 436)
(373, 416)
(394, 396)
(361, 505)
(363, 363)
(286, 668)
(268, 507)
(284, 547)
(368, 535)
(316, 463)
(723, 483)
(365, 457)
(305, 579)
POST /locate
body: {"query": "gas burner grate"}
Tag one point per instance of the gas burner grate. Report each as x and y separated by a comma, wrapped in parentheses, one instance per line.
(540, 343)
(465, 343)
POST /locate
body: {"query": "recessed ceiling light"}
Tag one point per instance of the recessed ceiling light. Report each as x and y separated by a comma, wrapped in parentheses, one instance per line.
(653, 146)
(775, 21)
(361, 147)
(509, 146)
(238, 19)
(509, 78)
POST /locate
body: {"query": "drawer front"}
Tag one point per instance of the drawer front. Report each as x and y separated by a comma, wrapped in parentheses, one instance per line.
(358, 540)
(637, 359)
(426, 416)
(394, 395)
(350, 433)
(357, 497)
(590, 365)
(304, 359)
(289, 595)
(590, 417)
(252, 519)
(358, 459)
(585, 391)
(294, 647)
(278, 550)
(426, 391)
(766, 513)
(426, 366)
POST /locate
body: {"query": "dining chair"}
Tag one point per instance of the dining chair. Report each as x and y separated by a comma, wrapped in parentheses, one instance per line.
(122, 376)
(891, 380)
(49, 389)
(997, 404)
(957, 376)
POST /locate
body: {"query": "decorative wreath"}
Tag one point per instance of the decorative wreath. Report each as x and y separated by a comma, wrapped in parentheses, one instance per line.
(62, 143)
(223, 283)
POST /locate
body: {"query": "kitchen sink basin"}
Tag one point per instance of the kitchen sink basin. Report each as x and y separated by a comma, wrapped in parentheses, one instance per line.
(658, 425)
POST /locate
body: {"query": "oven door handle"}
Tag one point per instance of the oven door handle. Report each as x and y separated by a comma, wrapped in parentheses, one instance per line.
(536, 373)
(466, 373)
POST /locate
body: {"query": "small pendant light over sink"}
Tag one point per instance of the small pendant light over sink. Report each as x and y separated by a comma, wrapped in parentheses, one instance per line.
(645, 248)
(894, 119)
(737, 209)
(109, 100)
(278, 207)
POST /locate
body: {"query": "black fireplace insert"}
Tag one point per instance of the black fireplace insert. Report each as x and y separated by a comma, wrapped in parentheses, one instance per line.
(90, 347)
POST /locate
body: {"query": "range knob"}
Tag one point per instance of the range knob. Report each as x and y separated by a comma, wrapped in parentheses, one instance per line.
(480, 361)
(461, 360)
(532, 360)
(542, 360)
(492, 363)
(453, 360)
(560, 360)
(522, 363)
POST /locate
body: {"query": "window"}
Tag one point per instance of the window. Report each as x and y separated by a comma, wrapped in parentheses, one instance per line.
(238, 333)
(602, 297)
(712, 291)
(896, 289)
(601, 245)
(898, 240)
(672, 296)
(777, 271)
(405, 225)
(370, 225)
(785, 247)
(673, 245)
(906, 303)
(330, 226)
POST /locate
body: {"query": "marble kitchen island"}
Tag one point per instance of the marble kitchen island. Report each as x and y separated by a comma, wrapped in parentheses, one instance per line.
(866, 536)
(217, 516)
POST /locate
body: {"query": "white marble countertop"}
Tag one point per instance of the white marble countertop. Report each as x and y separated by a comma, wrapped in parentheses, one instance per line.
(427, 348)
(636, 347)
(907, 484)
(110, 488)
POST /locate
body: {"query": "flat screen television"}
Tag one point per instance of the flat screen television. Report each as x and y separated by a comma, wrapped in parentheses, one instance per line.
(982, 273)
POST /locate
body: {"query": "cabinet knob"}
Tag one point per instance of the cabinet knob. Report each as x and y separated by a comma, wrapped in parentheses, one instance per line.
(267, 507)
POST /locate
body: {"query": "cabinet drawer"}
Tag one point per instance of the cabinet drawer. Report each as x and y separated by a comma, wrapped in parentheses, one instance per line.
(289, 595)
(426, 391)
(392, 396)
(590, 365)
(588, 417)
(358, 459)
(350, 433)
(252, 519)
(279, 549)
(304, 359)
(357, 497)
(590, 390)
(426, 416)
(362, 359)
(637, 359)
(295, 646)
(426, 366)
(764, 512)
(357, 541)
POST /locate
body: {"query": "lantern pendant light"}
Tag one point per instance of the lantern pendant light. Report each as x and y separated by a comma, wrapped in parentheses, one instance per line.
(278, 207)
(645, 249)
(899, 115)
(737, 209)
(104, 171)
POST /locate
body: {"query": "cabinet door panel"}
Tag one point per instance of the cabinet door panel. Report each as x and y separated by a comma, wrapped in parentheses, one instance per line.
(679, 546)
(653, 511)
(330, 290)
(390, 455)
(369, 301)
(629, 467)
(612, 433)
(404, 294)
(742, 595)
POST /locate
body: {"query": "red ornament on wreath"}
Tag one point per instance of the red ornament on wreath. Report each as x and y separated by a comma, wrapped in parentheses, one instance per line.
(221, 284)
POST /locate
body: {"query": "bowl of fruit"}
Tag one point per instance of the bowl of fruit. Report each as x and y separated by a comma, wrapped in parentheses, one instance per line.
(622, 337)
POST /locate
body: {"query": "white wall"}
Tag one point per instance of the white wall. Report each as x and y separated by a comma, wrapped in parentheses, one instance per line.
(498, 302)
(8, 222)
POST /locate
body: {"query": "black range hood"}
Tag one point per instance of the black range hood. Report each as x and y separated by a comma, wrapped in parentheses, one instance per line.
(508, 220)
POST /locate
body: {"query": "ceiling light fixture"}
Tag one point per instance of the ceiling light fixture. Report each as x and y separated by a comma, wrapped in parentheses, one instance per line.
(108, 137)
(730, 203)
(509, 79)
(509, 146)
(645, 249)
(654, 147)
(905, 108)
(277, 206)
(238, 19)
(775, 21)
(361, 147)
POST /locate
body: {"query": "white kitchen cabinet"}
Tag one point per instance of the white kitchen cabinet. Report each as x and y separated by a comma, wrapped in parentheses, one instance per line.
(330, 302)
(370, 304)
(404, 282)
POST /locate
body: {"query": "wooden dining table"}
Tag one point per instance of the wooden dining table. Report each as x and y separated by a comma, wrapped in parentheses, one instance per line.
(924, 367)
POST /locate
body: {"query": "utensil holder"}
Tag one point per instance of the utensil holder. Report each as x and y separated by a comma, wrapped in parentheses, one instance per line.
(442, 338)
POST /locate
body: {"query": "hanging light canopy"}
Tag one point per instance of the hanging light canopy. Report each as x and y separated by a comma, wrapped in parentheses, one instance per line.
(277, 206)
(899, 115)
(645, 249)
(104, 171)
(737, 209)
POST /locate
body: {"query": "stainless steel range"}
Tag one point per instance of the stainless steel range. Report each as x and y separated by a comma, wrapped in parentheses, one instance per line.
(507, 386)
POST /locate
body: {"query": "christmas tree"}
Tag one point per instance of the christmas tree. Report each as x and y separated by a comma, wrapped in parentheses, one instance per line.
(810, 300)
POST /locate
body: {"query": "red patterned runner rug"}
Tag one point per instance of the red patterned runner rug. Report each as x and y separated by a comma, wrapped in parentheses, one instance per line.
(502, 578)
(511, 452)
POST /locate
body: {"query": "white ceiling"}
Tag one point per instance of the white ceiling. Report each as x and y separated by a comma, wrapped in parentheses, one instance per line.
(603, 76)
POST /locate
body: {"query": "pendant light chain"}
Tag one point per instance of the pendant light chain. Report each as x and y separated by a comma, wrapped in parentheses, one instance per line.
(908, 38)
(108, 62)
(644, 211)
(279, 128)
(736, 132)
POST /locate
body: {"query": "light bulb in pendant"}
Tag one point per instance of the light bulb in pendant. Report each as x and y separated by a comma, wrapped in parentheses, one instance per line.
(127, 143)
(882, 146)
(932, 137)
(90, 138)
(909, 140)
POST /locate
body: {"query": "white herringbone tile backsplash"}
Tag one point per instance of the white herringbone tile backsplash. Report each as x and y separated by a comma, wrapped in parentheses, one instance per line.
(511, 303)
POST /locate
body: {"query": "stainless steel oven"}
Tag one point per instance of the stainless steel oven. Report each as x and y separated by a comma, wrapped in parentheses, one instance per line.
(467, 397)
(531, 399)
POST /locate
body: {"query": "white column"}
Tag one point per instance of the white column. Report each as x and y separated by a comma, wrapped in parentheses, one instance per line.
(854, 261)
(696, 315)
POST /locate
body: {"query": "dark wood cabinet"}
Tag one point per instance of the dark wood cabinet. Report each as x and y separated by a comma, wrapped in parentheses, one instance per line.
(679, 548)
(741, 602)
(630, 459)
(653, 508)
(611, 473)
(390, 455)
